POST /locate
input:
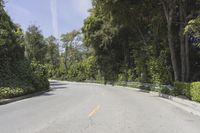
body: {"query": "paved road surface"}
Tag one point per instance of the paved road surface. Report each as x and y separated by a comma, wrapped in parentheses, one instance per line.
(89, 108)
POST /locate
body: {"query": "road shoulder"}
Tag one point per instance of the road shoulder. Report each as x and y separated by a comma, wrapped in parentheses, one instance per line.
(10, 100)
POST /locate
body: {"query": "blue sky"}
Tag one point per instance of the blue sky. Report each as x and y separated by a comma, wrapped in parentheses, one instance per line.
(54, 17)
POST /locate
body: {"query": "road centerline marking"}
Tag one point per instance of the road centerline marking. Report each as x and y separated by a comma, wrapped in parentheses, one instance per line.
(94, 111)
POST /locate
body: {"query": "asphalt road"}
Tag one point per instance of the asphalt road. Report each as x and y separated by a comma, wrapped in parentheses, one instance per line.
(90, 108)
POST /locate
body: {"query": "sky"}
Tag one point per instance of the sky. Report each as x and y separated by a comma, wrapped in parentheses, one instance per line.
(54, 17)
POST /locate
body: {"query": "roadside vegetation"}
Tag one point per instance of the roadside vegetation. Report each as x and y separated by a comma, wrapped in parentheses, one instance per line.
(153, 45)
(18, 74)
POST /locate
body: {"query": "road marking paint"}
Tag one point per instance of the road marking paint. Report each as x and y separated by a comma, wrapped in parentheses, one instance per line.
(94, 111)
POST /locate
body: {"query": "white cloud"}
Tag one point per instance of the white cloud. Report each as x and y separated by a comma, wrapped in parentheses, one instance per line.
(54, 18)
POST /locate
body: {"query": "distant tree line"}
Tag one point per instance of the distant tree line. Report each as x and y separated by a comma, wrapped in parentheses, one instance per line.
(67, 58)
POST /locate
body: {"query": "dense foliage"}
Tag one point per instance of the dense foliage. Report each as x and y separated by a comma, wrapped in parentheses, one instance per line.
(190, 90)
(17, 75)
(142, 42)
(149, 38)
(183, 89)
(35, 46)
(83, 70)
(195, 91)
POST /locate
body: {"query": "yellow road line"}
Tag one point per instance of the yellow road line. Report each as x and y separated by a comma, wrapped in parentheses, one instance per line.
(94, 111)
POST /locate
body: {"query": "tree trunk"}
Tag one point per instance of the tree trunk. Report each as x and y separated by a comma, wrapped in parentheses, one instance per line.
(169, 7)
(182, 42)
(184, 45)
(187, 78)
(173, 54)
(183, 60)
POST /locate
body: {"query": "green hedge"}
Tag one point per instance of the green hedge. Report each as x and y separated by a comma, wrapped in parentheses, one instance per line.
(10, 92)
(39, 76)
(182, 88)
(190, 90)
(195, 91)
(22, 78)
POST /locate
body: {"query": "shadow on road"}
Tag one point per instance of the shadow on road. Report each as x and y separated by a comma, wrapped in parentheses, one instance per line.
(57, 85)
(144, 91)
(47, 94)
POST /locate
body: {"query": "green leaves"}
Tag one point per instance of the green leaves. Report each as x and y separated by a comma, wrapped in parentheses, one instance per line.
(52, 55)
(82, 70)
(193, 28)
(39, 76)
(35, 45)
(17, 77)
(195, 91)
(190, 90)
(71, 38)
(133, 35)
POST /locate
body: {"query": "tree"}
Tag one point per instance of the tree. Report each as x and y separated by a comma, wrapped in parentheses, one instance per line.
(71, 42)
(178, 12)
(35, 45)
(102, 37)
(52, 55)
(145, 33)
(85, 69)
(192, 28)
(118, 38)
(169, 9)
(16, 74)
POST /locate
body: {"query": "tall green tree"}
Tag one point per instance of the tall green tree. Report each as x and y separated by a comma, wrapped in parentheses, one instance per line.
(178, 13)
(192, 29)
(35, 45)
(52, 55)
(71, 43)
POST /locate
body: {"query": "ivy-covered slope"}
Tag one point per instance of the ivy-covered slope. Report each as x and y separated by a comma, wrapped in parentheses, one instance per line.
(17, 75)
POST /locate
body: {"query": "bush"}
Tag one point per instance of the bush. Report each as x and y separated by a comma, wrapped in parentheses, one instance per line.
(9, 92)
(121, 83)
(83, 70)
(15, 79)
(21, 78)
(182, 88)
(134, 84)
(195, 91)
(165, 90)
(39, 76)
(157, 69)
